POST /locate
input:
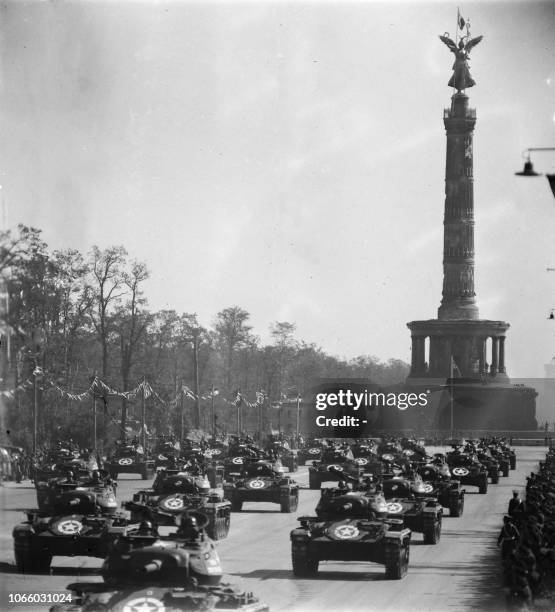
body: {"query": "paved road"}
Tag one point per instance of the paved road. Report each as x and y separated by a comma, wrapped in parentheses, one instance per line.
(460, 573)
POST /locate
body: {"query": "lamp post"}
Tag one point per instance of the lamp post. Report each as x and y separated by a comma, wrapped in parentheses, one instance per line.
(181, 414)
(528, 169)
(198, 336)
(37, 343)
(195, 340)
(213, 393)
(37, 373)
(298, 416)
(94, 423)
(143, 415)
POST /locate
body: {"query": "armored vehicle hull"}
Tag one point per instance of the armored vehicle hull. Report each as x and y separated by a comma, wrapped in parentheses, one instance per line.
(164, 508)
(145, 468)
(447, 492)
(41, 537)
(350, 539)
(469, 473)
(282, 491)
(91, 597)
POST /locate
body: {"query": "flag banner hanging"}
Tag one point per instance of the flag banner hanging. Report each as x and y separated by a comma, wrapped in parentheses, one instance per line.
(102, 390)
(187, 392)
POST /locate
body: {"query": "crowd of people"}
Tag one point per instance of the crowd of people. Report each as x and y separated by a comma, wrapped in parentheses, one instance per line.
(15, 464)
(527, 538)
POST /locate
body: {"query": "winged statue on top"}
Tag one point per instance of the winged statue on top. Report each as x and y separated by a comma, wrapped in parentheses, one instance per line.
(461, 78)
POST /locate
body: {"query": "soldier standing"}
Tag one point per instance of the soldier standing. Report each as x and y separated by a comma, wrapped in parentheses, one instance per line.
(508, 538)
(516, 506)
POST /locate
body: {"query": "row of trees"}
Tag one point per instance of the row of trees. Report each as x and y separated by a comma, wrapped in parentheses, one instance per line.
(79, 315)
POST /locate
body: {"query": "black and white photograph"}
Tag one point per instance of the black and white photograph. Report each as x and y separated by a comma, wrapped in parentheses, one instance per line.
(277, 305)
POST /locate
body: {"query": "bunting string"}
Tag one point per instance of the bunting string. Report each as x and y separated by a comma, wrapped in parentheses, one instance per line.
(99, 388)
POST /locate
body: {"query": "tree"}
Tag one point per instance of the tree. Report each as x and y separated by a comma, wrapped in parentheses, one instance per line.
(106, 288)
(131, 322)
(232, 332)
(69, 271)
(285, 348)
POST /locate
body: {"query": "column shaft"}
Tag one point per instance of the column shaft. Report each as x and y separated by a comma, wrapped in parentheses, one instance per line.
(502, 354)
(494, 355)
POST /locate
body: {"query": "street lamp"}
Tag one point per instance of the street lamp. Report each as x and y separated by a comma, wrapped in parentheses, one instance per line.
(528, 169)
(196, 340)
(213, 394)
(36, 342)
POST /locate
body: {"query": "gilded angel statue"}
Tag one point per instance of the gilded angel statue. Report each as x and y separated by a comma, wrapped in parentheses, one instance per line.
(461, 78)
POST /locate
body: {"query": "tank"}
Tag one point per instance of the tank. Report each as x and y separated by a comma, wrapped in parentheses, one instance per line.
(173, 492)
(216, 451)
(287, 456)
(350, 526)
(364, 451)
(420, 514)
(414, 451)
(238, 456)
(468, 470)
(438, 483)
(130, 459)
(144, 570)
(333, 464)
(75, 526)
(311, 451)
(262, 481)
(491, 464)
(98, 482)
(61, 463)
(165, 452)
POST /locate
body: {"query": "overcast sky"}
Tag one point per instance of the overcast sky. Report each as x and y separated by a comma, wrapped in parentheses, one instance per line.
(286, 157)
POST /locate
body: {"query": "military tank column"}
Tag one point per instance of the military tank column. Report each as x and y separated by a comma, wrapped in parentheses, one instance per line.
(78, 517)
(375, 499)
(77, 511)
(179, 571)
(386, 491)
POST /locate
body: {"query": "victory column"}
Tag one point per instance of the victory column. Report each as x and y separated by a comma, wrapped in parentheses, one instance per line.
(458, 345)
